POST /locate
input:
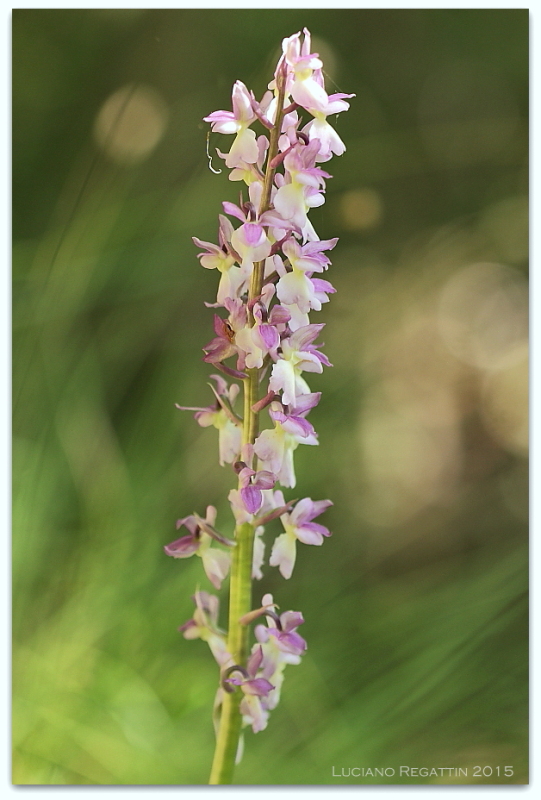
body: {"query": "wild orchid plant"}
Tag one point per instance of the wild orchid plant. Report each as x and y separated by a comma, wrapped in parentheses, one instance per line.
(268, 266)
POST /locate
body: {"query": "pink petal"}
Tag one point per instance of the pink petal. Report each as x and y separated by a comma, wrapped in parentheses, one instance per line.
(291, 620)
(265, 479)
(184, 547)
(254, 662)
(257, 686)
(252, 498)
(307, 536)
(269, 335)
(233, 210)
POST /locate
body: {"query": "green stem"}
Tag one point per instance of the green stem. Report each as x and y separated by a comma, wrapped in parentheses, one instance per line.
(240, 595)
(240, 602)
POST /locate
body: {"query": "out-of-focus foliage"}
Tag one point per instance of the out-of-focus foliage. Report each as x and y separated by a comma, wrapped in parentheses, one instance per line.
(415, 608)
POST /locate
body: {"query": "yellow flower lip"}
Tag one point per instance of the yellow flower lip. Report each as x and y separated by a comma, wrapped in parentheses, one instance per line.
(303, 74)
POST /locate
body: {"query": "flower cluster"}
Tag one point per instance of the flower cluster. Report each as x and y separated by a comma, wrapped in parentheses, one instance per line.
(270, 261)
(278, 644)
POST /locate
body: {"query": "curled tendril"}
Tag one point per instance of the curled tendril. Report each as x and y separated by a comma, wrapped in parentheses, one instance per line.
(226, 685)
(216, 171)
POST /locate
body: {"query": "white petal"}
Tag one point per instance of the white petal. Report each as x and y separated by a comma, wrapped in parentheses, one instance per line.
(216, 565)
(211, 261)
(224, 288)
(253, 712)
(284, 551)
(307, 536)
(283, 378)
(258, 558)
(286, 475)
(269, 447)
(230, 437)
(219, 649)
(244, 148)
(301, 387)
(309, 94)
(207, 418)
(289, 203)
(296, 288)
(298, 318)
(254, 355)
(227, 126)
(309, 363)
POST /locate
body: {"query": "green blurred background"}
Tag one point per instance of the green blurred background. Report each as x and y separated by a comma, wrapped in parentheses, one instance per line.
(416, 610)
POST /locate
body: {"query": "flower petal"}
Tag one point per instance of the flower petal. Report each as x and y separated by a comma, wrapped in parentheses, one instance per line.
(265, 479)
(254, 713)
(257, 686)
(184, 547)
(302, 511)
(254, 662)
(216, 564)
(304, 403)
(229, 437)
(283, 379)
(269, 447)
(305, 336)
(269, 336)
(298, 427)
(291, 642)
(291, 620)
(252, 498)
(307, 535)
(283, 554)
(244, 148)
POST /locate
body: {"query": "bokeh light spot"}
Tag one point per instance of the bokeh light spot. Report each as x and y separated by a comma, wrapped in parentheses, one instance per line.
(505, 404)
(361, 209)
(130, 123)
(483, 315)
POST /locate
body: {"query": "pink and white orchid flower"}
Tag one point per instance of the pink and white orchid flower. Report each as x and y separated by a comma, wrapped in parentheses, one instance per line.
(244, 148)
(298, 526)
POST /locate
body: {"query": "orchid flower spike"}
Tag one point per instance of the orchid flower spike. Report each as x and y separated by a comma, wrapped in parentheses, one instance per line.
(270, 263)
